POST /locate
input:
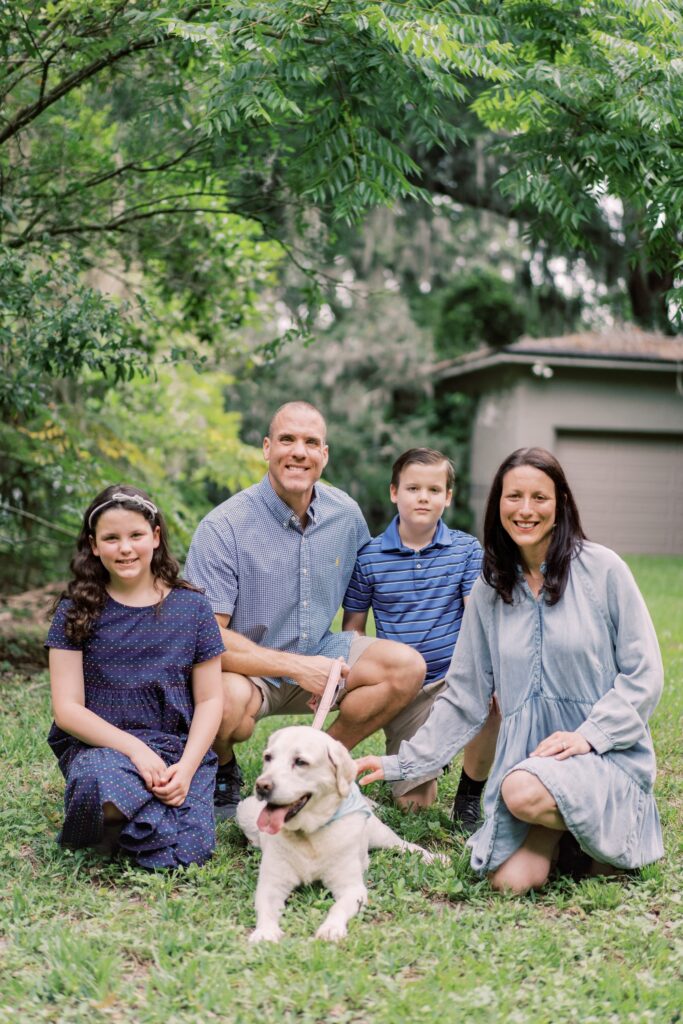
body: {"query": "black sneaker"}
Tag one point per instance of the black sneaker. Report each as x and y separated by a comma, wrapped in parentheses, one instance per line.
(466, 813)
(226, 794)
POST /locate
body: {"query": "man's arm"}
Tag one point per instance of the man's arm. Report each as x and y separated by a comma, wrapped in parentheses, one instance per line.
(246, 658)
(355, 621)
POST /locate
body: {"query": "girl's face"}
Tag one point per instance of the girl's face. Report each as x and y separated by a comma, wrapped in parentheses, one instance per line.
(125, 542)
(527, 510)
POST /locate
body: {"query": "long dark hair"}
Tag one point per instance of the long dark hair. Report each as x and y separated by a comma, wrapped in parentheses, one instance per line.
(87, 589)
(501, 555)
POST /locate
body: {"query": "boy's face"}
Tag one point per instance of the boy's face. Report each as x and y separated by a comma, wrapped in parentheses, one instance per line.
(421, 496)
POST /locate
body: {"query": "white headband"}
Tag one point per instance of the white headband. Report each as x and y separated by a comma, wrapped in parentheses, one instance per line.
(136, 499)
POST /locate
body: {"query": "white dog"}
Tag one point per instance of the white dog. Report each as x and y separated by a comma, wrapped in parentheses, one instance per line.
(312, 824)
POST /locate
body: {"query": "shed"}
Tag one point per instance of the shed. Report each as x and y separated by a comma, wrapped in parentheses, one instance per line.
(608, 405)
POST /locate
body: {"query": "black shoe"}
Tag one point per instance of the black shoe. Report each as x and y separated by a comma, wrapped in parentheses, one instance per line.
(226, 794)
(466, 813)
(571, 860)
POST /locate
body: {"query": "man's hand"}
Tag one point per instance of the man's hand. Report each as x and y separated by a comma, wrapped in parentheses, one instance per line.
(174, 785)
(150, 765)
(562, 745)
(311, 672)
(372, 764)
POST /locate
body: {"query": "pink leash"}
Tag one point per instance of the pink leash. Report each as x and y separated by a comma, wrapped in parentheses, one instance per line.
(329, 693)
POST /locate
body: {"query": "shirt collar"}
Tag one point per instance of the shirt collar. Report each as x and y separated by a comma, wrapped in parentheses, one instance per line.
(280, 509)
(391, 540)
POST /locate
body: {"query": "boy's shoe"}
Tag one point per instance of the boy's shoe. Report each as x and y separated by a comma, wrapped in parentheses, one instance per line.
(466, 813)
(226, 794)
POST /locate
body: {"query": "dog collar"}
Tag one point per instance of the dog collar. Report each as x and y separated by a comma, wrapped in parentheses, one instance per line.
(354, 803)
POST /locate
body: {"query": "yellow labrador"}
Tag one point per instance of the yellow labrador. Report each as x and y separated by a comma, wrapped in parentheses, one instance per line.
(312, 823)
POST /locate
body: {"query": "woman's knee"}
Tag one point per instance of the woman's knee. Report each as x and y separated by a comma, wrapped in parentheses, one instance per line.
(524, 796)
(519, 878)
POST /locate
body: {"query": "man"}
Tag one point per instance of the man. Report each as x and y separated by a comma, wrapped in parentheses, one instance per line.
(275, 561)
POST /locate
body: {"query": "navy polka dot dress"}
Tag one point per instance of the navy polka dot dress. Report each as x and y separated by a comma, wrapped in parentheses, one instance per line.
(137, 666)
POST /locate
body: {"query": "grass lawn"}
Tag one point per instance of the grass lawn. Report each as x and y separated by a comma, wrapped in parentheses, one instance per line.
(84, 939)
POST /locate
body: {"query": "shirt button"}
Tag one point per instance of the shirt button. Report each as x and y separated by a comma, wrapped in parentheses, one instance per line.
(419, 565)
(305, 635)
(305, 604)
(304, 571)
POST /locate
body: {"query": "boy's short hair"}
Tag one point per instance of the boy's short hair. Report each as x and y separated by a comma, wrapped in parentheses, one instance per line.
(425, 457)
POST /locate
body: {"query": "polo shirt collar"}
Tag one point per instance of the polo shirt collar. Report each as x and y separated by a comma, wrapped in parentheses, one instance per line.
(391, 539)
(280, 509)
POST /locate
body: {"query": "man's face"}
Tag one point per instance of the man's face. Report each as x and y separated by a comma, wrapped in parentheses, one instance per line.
(296, 452)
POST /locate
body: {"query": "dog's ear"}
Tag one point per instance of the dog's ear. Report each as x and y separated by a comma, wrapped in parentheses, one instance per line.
(343, 765)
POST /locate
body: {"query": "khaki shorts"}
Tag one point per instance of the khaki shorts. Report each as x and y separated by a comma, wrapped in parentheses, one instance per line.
(404, 727)
(293, 700)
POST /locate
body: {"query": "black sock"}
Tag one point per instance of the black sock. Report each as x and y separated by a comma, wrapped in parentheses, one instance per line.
(468, 786)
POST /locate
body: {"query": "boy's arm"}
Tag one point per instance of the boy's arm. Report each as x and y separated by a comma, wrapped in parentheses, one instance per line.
(355, 621)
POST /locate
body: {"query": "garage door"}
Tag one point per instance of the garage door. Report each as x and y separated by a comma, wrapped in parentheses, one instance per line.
(629, 489)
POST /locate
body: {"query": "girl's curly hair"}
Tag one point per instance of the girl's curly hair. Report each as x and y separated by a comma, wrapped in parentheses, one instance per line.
(87, 590)
(501, 555)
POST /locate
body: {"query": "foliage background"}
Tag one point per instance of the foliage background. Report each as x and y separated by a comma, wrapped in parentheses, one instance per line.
(315, 197)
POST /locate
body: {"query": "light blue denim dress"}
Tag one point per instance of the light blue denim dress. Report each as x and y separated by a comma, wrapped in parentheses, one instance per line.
(590, 663)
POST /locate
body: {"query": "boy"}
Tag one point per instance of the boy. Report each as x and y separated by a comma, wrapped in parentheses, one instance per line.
(416, 577)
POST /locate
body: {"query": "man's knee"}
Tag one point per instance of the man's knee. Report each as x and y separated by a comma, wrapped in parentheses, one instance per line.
(524, 796)
(398, 666)
(405, 667)
(241, 701)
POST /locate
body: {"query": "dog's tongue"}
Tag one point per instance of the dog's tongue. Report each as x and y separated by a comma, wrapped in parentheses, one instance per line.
(271, 819)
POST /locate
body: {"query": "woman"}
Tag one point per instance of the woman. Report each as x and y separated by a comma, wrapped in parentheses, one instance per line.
(558, 628)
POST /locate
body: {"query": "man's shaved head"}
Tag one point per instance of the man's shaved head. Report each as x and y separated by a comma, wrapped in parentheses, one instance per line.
(297, 406)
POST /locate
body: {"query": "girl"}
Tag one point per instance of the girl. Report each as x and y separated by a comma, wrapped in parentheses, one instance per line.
(136, 691)
(558, 628)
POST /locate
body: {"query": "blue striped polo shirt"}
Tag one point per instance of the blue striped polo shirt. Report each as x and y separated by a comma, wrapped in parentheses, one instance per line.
(280, 584)
(417, 596)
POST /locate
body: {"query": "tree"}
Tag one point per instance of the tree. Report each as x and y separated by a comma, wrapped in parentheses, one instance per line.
(129, 127)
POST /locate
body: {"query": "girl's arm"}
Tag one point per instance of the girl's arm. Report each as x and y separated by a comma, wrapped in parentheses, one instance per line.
(72, 716)
(208, 711)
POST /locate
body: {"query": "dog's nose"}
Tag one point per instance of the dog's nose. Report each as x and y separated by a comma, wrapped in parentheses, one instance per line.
(263, 789)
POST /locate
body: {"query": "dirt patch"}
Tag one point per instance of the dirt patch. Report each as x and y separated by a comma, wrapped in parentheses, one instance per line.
(24, 622)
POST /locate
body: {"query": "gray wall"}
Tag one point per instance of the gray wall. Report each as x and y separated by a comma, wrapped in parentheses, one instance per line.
(517, 409)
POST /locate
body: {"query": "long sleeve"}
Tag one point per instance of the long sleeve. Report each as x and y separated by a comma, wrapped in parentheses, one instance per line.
(461, 710)
(619, 718)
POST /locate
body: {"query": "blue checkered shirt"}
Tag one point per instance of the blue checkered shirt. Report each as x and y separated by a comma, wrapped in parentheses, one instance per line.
(281, 585)
(417, 596)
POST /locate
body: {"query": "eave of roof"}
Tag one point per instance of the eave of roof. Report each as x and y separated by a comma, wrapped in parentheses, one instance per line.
(485, 359)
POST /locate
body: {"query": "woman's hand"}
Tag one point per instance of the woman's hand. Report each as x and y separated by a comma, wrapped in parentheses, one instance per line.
(150, 765)
(369, 764)
(562, 745)
(174, 785)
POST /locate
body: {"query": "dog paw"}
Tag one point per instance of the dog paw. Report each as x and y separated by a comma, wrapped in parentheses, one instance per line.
(436, 858)
(331, 932)
(269, 933)
(427, 856)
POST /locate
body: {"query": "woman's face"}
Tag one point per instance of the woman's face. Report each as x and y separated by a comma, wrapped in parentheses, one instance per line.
(527, 510)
